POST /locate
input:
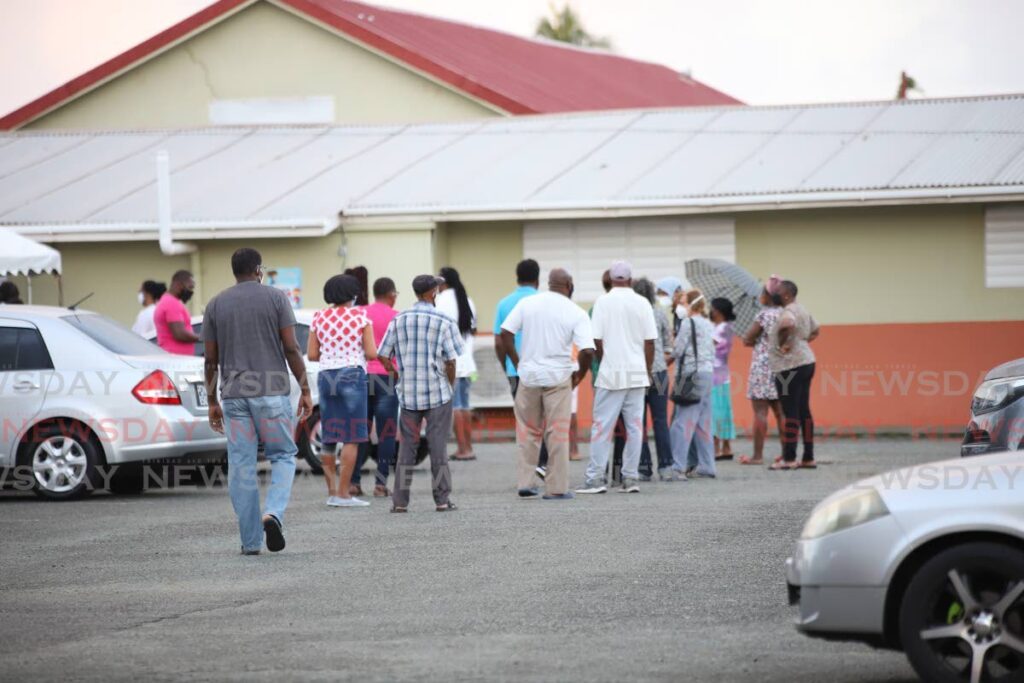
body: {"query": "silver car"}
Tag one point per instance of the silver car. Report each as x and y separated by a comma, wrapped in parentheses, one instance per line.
(80, 394)
(928, 560)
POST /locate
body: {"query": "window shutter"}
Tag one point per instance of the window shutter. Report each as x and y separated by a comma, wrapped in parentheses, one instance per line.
(1004, 247)
(656, 247)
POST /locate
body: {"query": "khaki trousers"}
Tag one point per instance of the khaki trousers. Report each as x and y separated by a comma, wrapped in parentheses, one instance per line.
(543, 415)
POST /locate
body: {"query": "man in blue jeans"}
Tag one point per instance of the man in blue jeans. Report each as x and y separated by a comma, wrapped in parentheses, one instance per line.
(249, 334)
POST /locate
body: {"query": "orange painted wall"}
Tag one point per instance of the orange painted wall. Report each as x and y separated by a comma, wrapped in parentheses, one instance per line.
(916, 378)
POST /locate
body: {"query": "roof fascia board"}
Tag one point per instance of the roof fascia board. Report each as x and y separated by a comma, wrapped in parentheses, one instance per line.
(364, 221)
(192, 230)
(113, 68)
(502, 105)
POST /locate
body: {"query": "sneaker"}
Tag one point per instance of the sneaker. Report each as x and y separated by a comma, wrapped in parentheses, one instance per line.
(696, 474)
(629, 485)
(669, 474)
(333, 501)
(351, 503)
(646, 477)
(542, 472)
(593, 486)
(274, 533)
(529, 493)
(568, 495)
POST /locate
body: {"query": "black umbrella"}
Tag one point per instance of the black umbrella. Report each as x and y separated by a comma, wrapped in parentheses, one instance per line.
(717, 278)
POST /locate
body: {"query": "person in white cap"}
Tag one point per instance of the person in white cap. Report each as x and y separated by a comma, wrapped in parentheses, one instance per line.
(624, 332)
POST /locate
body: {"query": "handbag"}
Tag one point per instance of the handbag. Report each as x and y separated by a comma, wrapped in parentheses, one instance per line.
(688, 390)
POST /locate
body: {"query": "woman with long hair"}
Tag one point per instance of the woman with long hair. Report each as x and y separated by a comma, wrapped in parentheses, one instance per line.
(761, 389)
(694, 352)
(362, 275)
(722, 426)
(341, 339)
(454, 302)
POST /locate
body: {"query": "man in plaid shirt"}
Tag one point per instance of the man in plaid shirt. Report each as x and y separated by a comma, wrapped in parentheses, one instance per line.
(425, 343)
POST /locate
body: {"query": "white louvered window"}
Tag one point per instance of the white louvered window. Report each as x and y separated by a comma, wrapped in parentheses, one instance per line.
(1004, 247)
(656, 247)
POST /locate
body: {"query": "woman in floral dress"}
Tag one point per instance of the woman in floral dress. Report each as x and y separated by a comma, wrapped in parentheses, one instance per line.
(761, 389)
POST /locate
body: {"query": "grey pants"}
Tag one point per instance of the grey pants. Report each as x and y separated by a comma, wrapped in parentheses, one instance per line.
(439, 424)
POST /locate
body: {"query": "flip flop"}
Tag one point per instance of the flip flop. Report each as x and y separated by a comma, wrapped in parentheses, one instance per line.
(807, 465)
(395, 508)
(781, 466)
(747, 460)
(724, 456)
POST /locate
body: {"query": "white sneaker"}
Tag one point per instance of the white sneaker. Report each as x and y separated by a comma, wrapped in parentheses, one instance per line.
(333, 501)
(351, 503)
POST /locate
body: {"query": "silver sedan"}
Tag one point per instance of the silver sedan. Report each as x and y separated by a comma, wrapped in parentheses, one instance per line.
(84, 401)
(928, 560)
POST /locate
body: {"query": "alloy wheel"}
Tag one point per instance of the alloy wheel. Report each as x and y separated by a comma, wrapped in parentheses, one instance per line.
(975, 625)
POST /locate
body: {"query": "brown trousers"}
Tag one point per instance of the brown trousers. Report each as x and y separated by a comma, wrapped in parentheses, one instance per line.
(543, 415)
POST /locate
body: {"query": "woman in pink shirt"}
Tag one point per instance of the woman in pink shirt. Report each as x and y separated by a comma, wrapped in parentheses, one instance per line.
(382, 401)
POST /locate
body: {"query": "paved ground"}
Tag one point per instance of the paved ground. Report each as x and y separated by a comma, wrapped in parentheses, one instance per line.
(681, 581)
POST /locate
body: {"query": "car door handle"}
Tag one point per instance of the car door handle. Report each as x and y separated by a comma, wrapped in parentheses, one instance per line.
(26, 386)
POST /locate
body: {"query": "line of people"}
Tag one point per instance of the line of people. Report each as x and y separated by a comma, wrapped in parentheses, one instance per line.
(400, 371)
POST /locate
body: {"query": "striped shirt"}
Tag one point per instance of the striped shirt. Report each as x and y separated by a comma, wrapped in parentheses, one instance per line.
(422, 340)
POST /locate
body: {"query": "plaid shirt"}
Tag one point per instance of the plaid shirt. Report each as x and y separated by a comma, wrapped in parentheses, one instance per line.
(422, 340)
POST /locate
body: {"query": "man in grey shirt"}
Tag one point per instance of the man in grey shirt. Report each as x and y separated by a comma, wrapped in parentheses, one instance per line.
(249, 333)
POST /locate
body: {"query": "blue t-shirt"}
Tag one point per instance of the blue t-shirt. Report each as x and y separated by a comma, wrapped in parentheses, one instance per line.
(505, 307)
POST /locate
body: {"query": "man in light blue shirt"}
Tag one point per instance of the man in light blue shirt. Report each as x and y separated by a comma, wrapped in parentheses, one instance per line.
(528, 277)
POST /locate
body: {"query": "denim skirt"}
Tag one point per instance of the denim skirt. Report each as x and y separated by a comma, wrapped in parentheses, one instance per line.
(343, 415)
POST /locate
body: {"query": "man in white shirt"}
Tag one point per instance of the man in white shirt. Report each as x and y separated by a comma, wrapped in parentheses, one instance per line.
(550, 323)
(149, 294)
(624, 333)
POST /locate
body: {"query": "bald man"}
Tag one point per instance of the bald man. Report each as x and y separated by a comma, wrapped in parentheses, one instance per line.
(550, 324)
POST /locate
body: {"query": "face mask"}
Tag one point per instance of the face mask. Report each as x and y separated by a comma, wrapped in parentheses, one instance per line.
(186, 295)
(664, 301)
(142, 299)
(680, 311)
(571, 290)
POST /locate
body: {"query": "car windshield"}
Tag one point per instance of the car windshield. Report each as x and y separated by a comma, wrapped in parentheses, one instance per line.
(111, 336)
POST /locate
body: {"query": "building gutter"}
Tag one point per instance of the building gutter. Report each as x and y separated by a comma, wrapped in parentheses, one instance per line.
(191, 230)
(163, 208)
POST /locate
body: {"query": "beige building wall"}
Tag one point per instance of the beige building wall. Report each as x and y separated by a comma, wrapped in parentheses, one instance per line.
(112, 272)
(880, 265)
(398, 252)
(485, 254)
(263, 51)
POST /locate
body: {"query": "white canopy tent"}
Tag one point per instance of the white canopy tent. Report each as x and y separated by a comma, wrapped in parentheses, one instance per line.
(20, 255)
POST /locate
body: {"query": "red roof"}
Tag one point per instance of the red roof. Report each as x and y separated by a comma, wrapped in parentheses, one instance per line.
(518, 75)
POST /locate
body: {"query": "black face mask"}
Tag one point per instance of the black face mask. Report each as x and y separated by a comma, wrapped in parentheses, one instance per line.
(571, 290)
(186, 294)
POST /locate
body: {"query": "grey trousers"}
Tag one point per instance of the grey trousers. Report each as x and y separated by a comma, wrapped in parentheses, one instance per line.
(439, 424)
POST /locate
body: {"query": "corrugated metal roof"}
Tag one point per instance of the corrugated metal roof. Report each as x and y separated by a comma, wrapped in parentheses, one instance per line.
(685, 159)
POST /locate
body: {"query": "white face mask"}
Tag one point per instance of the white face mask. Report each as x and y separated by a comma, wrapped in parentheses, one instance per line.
(142, 299)
(680, 311)
(664, 301)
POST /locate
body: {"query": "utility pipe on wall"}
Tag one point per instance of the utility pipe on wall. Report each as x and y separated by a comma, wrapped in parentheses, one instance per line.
(163, 208)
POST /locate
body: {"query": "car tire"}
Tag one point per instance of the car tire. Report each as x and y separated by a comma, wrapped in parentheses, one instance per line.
(943, 634)
(127, 480)
(308, 442)
(63, 459)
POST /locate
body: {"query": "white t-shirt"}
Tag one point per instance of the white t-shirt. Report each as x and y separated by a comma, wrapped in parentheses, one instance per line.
(623, 320)
(446, 303)
(144, 325)
(551, 324)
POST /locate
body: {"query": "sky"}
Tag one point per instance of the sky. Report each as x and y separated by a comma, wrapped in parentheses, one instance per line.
(760, 51)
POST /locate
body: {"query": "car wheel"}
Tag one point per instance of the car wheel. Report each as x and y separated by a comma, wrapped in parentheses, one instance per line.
(63, 461)
(309, 444)
(962, 616)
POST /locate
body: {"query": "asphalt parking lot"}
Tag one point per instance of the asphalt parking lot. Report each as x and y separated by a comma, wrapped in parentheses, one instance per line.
(683, 581)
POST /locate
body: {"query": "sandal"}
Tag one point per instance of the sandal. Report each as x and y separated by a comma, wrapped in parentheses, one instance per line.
(395, 508)
(447, 507)
(807, 465)
(724, 456)
(780, 466)
(747, 460)
(465, 458)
